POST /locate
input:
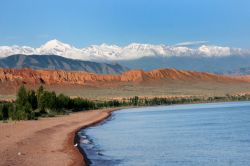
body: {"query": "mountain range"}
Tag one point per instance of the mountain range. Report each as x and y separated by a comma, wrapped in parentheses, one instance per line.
(205, 58)
(54, 62)
(132, 51)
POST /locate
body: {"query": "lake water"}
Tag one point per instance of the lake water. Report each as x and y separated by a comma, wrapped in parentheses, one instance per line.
(193, 134)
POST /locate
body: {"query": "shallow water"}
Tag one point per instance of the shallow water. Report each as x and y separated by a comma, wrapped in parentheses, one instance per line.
(194, 134)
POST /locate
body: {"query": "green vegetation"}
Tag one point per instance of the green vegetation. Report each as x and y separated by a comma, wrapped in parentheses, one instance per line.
(32, 104)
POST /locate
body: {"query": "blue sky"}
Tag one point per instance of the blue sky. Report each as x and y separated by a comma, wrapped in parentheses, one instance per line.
(86, 22)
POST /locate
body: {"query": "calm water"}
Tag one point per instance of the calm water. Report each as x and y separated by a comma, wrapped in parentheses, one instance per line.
(195, 134)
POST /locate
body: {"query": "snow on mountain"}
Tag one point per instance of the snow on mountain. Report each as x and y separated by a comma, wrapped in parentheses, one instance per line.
(106, 52)
(54, 46)
(10, 50)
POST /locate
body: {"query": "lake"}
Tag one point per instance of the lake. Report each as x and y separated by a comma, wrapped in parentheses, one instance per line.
(191, 134)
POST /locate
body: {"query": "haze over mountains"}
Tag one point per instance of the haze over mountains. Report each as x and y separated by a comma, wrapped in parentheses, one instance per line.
(229, 65)
(208, 58)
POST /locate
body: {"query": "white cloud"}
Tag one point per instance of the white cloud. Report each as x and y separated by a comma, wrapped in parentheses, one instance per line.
(191, 43)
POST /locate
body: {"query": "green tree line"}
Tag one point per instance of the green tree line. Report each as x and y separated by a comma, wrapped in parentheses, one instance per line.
(31, 104)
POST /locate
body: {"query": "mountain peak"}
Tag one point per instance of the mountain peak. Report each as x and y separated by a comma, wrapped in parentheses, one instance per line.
(105, 52)
(55, 43)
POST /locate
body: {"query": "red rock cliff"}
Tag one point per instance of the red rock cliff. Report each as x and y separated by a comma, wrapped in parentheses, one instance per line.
(53, 77)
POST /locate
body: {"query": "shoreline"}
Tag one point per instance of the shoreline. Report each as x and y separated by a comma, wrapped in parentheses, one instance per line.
(80, 154)
(47, 141)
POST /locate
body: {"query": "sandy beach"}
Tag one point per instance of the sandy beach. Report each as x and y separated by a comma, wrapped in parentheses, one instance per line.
(48, 141)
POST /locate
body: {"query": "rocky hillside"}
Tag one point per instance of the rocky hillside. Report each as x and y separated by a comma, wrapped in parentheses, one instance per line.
(162, 82)
(54, 62)
(59, 77)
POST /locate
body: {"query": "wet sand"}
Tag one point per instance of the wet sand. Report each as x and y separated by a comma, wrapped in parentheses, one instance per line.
(48, 141)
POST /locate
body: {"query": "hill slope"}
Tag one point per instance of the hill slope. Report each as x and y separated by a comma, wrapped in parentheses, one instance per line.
(162, 82)
(59, 77)
(59, 63)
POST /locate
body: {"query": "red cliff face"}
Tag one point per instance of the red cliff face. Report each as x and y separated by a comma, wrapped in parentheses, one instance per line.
(50, 77)
(53, 77)
(134, 76)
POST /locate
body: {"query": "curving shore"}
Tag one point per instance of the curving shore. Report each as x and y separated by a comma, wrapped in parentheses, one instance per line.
(48, 141)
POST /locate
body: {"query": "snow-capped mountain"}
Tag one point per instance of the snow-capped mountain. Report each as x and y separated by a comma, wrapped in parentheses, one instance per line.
(133, 51)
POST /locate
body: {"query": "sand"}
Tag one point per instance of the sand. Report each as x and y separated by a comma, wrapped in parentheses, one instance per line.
(48, 141)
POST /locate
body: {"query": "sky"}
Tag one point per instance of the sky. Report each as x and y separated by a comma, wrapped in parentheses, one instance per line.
(121, 22)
